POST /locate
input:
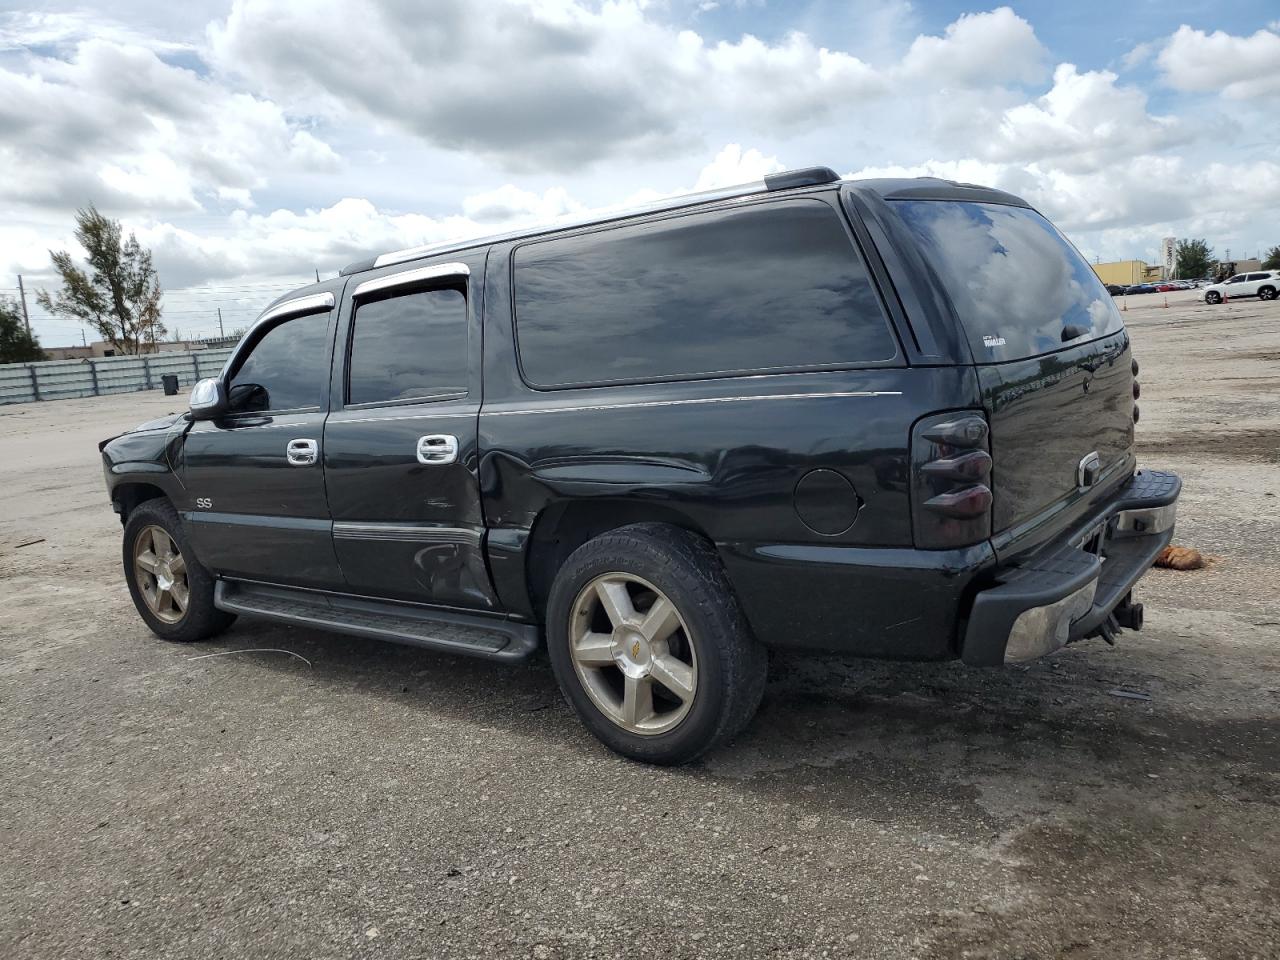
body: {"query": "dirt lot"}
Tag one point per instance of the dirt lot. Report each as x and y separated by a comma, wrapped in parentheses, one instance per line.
(388, 802)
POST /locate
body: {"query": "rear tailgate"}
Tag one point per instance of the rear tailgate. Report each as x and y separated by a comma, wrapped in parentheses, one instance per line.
(1052, 358)
(1048, 415)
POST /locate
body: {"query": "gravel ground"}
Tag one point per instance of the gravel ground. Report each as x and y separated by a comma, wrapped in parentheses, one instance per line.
(388, 802)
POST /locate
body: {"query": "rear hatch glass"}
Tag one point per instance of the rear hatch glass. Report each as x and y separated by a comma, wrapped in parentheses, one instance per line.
(1016, 282)
(1049, 344)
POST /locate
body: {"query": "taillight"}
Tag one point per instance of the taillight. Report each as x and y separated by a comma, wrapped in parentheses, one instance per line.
(1137, 387)
(950, 473)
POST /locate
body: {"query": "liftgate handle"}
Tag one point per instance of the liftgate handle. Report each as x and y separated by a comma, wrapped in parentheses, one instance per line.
(437, 449)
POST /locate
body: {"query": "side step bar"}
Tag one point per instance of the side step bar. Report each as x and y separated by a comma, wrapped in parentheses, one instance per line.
(446, 630)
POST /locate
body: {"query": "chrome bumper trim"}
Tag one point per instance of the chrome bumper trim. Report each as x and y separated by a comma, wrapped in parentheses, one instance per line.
(1145, 521)
(1042, 630)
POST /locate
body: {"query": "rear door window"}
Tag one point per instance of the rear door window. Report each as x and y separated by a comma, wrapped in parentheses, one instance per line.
(410, 346)
(765, 287)
(1019, 288)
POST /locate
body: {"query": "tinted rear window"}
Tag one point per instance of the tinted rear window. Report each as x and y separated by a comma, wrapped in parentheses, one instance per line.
(411, 346)
(1018, 286)
(772, 286)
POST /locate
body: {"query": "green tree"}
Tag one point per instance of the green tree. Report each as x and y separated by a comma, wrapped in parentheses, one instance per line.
(1272, 262)
(1194, 259)
(16, 345)
(118, 294)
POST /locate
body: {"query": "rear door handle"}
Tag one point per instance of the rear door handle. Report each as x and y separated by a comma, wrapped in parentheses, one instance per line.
(437, 449)
(302, 453)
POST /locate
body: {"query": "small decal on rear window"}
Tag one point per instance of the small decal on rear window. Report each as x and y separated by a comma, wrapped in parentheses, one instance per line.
(992, 342)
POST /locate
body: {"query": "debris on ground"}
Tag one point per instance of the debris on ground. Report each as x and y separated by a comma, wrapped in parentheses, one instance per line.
(29, 543)
(1179, 558)
(227, 653)
(1129, 694)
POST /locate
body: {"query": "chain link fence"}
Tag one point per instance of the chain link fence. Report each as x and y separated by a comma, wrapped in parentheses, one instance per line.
(61, 379)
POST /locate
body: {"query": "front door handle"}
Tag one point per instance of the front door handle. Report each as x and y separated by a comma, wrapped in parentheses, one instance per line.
(302, 453)
(437, 449)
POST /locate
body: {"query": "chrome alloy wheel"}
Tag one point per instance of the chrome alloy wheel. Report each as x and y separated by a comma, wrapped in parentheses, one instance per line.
(161, 574)
(633, 654)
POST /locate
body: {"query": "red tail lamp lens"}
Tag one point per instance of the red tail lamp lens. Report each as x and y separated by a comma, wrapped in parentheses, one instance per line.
(974, 465)
(966, 504)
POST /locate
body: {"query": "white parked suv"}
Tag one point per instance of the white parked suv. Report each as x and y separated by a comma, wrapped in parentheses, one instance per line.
(1262, 284)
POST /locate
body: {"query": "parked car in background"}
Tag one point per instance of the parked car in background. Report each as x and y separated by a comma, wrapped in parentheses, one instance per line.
(1141, 288)
(1262, 284)
(1115, 289)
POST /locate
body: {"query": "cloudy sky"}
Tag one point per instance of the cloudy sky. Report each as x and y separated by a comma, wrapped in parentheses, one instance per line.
(252, 143)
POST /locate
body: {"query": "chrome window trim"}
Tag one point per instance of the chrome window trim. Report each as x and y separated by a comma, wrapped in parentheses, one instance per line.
(393, 280)
(298, 306)
(311, 303)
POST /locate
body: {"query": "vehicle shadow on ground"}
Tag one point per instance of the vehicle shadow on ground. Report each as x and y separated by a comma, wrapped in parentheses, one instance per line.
(880, 738)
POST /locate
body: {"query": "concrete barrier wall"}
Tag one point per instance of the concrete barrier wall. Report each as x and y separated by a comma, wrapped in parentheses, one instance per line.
(60, 379)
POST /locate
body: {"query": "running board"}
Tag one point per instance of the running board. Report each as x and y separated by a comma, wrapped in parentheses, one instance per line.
(445, 630)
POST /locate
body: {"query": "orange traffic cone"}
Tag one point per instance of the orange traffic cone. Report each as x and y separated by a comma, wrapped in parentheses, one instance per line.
(1166, 301)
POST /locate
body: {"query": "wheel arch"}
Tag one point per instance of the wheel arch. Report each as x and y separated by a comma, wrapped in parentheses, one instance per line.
(127, 495)
(562, 527)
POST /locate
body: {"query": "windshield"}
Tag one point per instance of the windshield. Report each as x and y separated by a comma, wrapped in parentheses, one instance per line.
(1018, 286)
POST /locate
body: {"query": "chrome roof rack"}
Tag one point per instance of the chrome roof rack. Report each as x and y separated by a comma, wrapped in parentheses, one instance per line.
(785, 180)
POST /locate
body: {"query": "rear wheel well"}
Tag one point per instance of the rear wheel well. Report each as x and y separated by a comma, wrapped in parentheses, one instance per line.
(563, 527)
(127, 496)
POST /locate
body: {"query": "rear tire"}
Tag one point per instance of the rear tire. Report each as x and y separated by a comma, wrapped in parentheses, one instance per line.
(1213, 296)
(649, 645)
(1267, 293)
(172, 591)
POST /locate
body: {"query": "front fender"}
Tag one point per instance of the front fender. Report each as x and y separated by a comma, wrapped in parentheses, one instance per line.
(148, 457)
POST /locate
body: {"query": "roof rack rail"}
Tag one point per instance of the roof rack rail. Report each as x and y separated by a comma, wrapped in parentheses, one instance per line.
(785, 180)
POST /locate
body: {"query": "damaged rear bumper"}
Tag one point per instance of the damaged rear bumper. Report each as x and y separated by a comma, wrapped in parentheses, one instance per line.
(1080, 585)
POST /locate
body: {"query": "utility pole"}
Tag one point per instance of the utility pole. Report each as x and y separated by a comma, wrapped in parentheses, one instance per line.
(317, 269)
(22, 292)
(221, 332)
(84, 341)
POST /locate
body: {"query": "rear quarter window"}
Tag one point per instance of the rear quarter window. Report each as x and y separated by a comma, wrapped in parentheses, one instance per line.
(766, 287)
(1019, 288)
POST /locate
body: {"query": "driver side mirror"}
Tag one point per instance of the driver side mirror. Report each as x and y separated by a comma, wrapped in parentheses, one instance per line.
(208, 399)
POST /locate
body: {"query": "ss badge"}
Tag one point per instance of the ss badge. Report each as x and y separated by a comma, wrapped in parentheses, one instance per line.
(204, 503)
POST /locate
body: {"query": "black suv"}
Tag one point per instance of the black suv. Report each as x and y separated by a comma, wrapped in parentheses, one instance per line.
(891, 418)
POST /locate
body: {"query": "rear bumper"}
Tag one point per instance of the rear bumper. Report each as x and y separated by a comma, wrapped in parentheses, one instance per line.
(1071, 588)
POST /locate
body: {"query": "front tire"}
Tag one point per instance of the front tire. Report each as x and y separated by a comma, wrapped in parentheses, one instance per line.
(172, 591)
(649, 645)
(1213, 297)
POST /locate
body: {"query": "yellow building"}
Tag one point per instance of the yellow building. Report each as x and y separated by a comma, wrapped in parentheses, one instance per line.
(1125, 272)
